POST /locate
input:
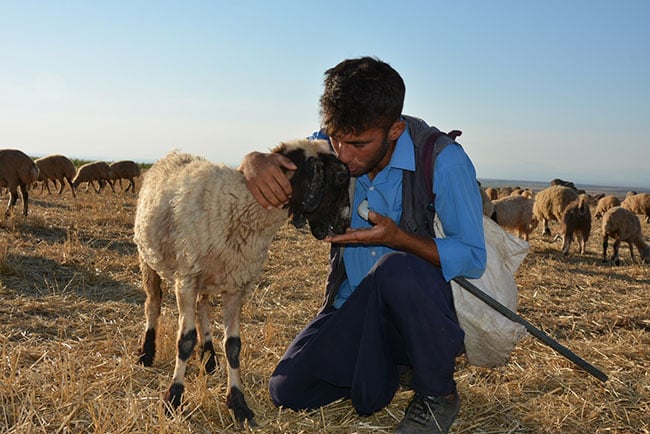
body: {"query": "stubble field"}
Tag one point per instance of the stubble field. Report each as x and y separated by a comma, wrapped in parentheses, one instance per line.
(71, 318)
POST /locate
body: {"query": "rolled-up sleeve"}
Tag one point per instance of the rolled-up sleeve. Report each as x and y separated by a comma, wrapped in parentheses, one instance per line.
(459, 207)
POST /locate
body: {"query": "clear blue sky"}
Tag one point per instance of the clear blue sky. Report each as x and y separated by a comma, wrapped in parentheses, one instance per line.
(540, 89)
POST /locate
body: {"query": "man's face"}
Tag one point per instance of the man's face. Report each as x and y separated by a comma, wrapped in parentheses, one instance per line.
(369, 151)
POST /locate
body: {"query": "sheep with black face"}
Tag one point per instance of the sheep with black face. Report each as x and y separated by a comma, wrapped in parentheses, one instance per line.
(198, 227)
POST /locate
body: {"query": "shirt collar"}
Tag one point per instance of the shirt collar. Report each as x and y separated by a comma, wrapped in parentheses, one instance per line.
(404, 154)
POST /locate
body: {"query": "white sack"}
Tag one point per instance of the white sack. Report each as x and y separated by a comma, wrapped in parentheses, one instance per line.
(490, 337)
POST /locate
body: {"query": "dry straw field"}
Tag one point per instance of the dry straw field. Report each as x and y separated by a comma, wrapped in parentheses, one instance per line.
(71, 318)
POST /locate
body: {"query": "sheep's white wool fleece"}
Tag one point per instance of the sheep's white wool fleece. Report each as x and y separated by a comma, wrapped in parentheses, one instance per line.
(197, 220)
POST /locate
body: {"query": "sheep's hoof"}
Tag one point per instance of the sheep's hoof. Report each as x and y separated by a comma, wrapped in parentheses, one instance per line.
(210, 361)
(237, 403)
(148, 350)
(174, 395)
(211, 364)
(145, 359)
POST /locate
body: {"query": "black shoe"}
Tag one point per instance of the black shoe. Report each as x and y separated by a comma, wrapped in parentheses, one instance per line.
(430, 415)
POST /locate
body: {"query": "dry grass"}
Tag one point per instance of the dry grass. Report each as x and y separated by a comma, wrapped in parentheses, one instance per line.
(71, 318)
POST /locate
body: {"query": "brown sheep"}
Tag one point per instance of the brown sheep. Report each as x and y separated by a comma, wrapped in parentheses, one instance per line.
(516, 214)
(492, 193)
(576, 218)
(639, 204)
(505, 191)
(549, 204)
(623, 225)
(488, 206)
(605, 203)
(56, 168)
(125, 169)
(571, 185)
(558, 181)
(97, 171)
(17, 170)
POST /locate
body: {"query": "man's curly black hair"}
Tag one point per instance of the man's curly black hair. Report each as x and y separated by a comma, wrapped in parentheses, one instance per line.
(360, 94)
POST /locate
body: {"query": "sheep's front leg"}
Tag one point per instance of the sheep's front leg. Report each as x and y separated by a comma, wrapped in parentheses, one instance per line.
(186, 293)
(617, 245)
(208, 355)
(74, 194)
(232, 345)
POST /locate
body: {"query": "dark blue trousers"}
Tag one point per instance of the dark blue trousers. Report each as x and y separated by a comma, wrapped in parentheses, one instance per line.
(400, 315)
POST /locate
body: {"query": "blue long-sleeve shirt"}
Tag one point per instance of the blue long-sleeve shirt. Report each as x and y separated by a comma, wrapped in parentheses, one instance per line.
(457, 202)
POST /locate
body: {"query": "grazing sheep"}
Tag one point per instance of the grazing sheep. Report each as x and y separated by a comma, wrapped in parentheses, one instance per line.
(125, 169)
(576, 219)
(97, 171)
(492, 193)
(488, 206)
(516, 191)
(197, 226)
(56, 168)
(549, 204)
(558, 181)
(528, 193)
(569, 184)
(516, 214)
(605, 203)
(17, 170)
(598, 196)
(505, 191)
(623, 225)
(639, 204)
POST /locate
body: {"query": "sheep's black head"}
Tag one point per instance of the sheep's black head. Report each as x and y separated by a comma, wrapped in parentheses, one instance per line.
(320, 189)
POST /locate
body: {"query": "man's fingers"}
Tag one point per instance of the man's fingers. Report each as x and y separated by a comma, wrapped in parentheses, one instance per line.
(266, 179)
(275, 195)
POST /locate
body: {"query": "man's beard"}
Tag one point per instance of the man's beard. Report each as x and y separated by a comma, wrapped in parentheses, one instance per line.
(385, 146)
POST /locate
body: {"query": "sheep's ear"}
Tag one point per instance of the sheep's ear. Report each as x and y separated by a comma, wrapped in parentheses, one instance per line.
(315, 171)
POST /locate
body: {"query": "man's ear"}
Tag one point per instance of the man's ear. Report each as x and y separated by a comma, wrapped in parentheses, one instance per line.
(396, 130)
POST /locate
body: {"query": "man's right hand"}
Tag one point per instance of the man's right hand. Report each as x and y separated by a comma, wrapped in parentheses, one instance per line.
(266, 179)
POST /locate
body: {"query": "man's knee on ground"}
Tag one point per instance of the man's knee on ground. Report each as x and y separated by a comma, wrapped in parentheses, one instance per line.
(280, 392)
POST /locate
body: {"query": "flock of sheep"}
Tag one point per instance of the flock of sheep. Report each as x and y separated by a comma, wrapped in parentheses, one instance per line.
(198, 227)
(19, 171)
(521, 211)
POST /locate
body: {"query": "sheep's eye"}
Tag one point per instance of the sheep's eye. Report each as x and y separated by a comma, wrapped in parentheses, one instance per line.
(341, 178)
